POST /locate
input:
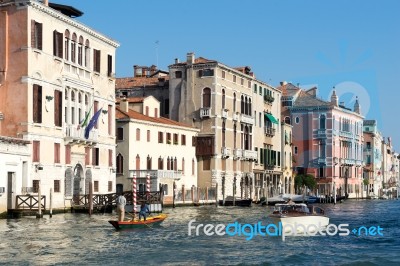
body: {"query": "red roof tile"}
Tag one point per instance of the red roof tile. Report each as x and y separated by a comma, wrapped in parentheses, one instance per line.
(131, 82)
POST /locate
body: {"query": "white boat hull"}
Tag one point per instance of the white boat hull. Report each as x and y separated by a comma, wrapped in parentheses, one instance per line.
(301, 224)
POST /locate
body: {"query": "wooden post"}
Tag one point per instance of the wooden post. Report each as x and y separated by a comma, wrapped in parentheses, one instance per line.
(51, 202)
(223, 190)
(39, 214)
(216, 194)
(234, 191)
(192, 192)
(206, 194)
(183, 194)
(91, 198)
(173, 195)
(198, 195)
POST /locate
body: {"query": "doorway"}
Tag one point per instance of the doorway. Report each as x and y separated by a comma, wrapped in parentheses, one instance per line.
(10, 189)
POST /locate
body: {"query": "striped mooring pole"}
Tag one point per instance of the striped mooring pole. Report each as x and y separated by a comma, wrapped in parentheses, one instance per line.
(148, 185)
(134, 195)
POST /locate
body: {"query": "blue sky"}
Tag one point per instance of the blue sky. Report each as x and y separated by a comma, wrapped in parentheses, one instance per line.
(353, 45)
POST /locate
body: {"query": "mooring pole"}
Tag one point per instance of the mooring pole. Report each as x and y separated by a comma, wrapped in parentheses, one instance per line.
(91, 198)
(51, 202)
(39, 214)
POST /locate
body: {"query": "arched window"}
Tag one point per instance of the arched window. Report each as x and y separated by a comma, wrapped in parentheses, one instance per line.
(148, 162)
(86, 99)
(206, 97)
(73, 48)
(79, 97)
(160, 163)
(175, 164)
(120, 164)
(168, 163)
(234, 102)
(80, 50)
(72, 96)
(223, 134)
(249, 113)
(234, 136)
(66, 45)
(183, 166)
(87, 53)
(322, 122)
(246, 138)
(287, 120)
(246, 107)
(223, 98)
(137, 164)
(242, 104)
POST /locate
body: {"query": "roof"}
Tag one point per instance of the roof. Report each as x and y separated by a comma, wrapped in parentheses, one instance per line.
(119, 114)
(288, 89)
(369, 122)
(140, 82)
(199, 60)
(132, 100)
(69, 11)
(307, 100)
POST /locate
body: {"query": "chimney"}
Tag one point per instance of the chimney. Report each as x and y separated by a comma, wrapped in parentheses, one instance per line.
(46, 2)
(135, 70)
(153, 69)
(283, 83)
(124, 105)
(177, 61)
(190, 58)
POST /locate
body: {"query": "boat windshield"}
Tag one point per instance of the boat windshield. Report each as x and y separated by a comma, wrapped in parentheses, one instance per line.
(292, 208)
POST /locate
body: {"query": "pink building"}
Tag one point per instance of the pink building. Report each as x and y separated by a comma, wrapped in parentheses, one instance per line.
(327, 140)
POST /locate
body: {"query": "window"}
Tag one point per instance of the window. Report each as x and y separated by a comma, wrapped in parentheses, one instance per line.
(223, 134)
(96, 186)
(36, 35)
(67, 154)
(249, 84)
(87, 155)
(57, 44)
(73, 48)
(193, 166)
(58, 108)
(206, 73)
(160, 137)
(183, 166)
(120, 133)
(223, 74)
(168, 138)
(96, 60)
(234, 78)
(175, 139)
(37, 103)
(322, 122)
(206, 97)
(242, 81)
(148, 135)
(156, 112)
(66, 45)
(256, 151)
(110, 186)
(110, 119)
(160, 163)
(80, 50)
(109, 66)
(56, 152)
(223, 98)
(36, 151)
(120, 164)
(234, 102)
(147, 110)
(234, 136)
(183, 140)
(297, 119)
(87, 53)
(57, 186)
(138, 134)
(295, 150)
(260, 91)
(193, 141)
(178, 74)
(110, 158)
(35, 185)
(255, 88)
(321, 172)
(95, 158)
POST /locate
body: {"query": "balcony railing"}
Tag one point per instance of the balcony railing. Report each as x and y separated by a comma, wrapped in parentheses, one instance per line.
(73, 133)
(322, 160)
(249, 155)
(205, 112)
(347, 161)
(321, 133)
(268, 99)
(345, 134)
(226, 152)
(247, 119)
(235, 116)
(172, 174)
(237, 153)
(270, 131)
(27, 190)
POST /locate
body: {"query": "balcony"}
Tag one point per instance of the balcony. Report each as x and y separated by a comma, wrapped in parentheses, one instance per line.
(237, 154)
(345, 134)
(26, 190)
(246, 119)
(226, 152)
(75, 134)
(270, 131)
(347, 161)
(321, 133)
(235, 116)
(269, 99)
(249, 155)
(335, 160)
(321, 160)
(155, 174)
(224, 113)
(205, 112)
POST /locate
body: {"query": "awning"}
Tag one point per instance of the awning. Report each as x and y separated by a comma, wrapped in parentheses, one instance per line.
(271, 118)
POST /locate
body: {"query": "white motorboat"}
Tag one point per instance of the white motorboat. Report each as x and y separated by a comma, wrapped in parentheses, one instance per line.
(299, 217)
(282, 198)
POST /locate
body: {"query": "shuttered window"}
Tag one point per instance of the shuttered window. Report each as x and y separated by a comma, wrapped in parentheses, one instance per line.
(57, 186)
(110, 120)
(120, 164)
(95, 158)
(109, 66)
(56, 152)
(110, 158)
(35, 185)
(67, 154)
(160, 137)
(120, 133)
(58, 108)
(36, 34)
(57, 44)
(109, 186)
(160, 163)
(36, 151)
(96, 60)
(206, 97)
(37, 104)
(87, 156)
(96, 186)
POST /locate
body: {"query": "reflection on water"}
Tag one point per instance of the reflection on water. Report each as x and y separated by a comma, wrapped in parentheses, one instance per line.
(80, 239)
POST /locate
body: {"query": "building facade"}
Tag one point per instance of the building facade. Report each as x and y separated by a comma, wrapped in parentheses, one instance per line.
(56, 74)
(239, 144)
(327, 140)
(148, 144)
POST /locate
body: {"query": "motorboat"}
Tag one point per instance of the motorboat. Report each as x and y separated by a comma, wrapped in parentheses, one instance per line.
(300, 216)
(282, 198)
(230, 201)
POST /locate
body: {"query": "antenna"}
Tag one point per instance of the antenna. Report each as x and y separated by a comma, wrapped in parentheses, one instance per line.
(157, 42)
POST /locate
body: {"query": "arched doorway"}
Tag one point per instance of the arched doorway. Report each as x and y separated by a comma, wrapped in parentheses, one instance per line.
(78, 174)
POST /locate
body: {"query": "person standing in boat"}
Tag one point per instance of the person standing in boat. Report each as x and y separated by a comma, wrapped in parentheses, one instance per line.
(290, 201)
(144, 209)
(121, 202)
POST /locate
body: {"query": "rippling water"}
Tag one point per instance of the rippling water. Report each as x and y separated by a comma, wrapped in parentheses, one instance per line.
(80, 239)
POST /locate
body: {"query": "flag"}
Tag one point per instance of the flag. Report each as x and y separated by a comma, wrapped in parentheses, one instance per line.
(86, 119)
(92, 122)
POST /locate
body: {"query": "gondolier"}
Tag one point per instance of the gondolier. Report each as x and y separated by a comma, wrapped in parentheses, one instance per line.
(121, 202)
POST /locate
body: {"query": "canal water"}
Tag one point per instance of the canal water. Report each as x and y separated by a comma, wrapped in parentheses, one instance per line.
(78, 239)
